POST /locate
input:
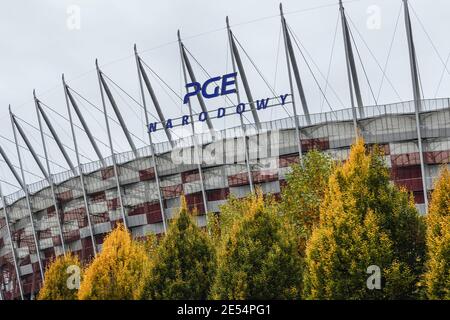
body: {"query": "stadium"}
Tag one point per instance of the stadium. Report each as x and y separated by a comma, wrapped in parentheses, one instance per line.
(73, 210)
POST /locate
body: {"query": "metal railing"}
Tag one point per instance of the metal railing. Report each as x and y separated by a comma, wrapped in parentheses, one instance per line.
(342, 115)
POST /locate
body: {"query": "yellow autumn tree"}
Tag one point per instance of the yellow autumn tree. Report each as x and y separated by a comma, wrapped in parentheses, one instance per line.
(119, 271)
(365, 221)
(304, 193)
(437, 276)
(184, 262)
(258, 256)
(61, 279)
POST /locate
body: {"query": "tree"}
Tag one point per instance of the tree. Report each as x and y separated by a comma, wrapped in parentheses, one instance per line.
(364, 221)
(61, 279)
(304, 193)
(118, 272)
(258, 257)
(437, 276)
(184, 262)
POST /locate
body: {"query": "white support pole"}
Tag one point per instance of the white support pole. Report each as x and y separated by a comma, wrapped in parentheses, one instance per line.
(417, 98)
(291, 86)
(80, 168)
(113, 155)
(13, 251)
(194, 137)
(50, 177)
(241, 117)
(155, 169)
(27, 196)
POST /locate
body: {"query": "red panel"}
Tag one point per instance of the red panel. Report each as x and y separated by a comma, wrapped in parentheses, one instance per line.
(406, 159)
(56, 240)
(190, 176)
(99, 217)
(71, 236)
(147, 174)
(418, 197)
(399, 173)
(49, 252)
(195, 201)
(315, 144)
(65, 196)
(154, 216)
(107, 173)
(45, 234)
(437, 157)
(113, 204)
(98, 196)
(261, 176)
(51, 211)
(172, 191)
(99, 238)
(414, 184)
(144, 208)
(288, 160)
(217, 194)
(237, 180)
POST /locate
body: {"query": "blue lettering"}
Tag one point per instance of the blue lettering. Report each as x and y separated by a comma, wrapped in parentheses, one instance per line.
(283, 99)
(185, 120)
(220, 113)
(169, 124)
(262, 104)
(240, 108)
(196, 86)
(151, 127)
(228, 80)
(203, 116)
(205, 86)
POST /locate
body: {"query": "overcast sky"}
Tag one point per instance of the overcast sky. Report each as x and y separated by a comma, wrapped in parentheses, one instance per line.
(40, 40)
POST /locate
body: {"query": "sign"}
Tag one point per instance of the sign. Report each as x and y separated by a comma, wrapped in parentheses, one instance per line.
(208, 90)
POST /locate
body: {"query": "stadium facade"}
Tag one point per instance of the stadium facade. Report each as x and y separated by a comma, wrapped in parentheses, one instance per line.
(74, 210)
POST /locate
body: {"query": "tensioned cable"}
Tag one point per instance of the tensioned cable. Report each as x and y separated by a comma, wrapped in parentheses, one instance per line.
(362, 66)
(50, 136)
(309, 67)
(75, 125)
(25, 170)
(160, 80)
(135, 101)
(37, 143)
(187, 38)
(208, 75)
(389, 56)
(372, 54)
(133, 111)
(25, 148)
(100, 125)
(429, 39)
(330, 63)
(276, 63)
(442, 77)
(69, 136)
(101, 111)
(10, 184)
(261, 75)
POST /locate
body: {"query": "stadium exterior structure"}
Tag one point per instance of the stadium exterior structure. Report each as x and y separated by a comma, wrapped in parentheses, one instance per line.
(74, 210)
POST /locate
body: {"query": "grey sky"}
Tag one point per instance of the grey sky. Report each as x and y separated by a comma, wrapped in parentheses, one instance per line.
(36, 46)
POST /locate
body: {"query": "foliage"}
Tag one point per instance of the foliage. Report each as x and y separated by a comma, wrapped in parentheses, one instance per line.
(258, 257)
(57, 275)
(437, 276)
(304, 192)
(118, 272)
(184, 262)
(364, 221)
